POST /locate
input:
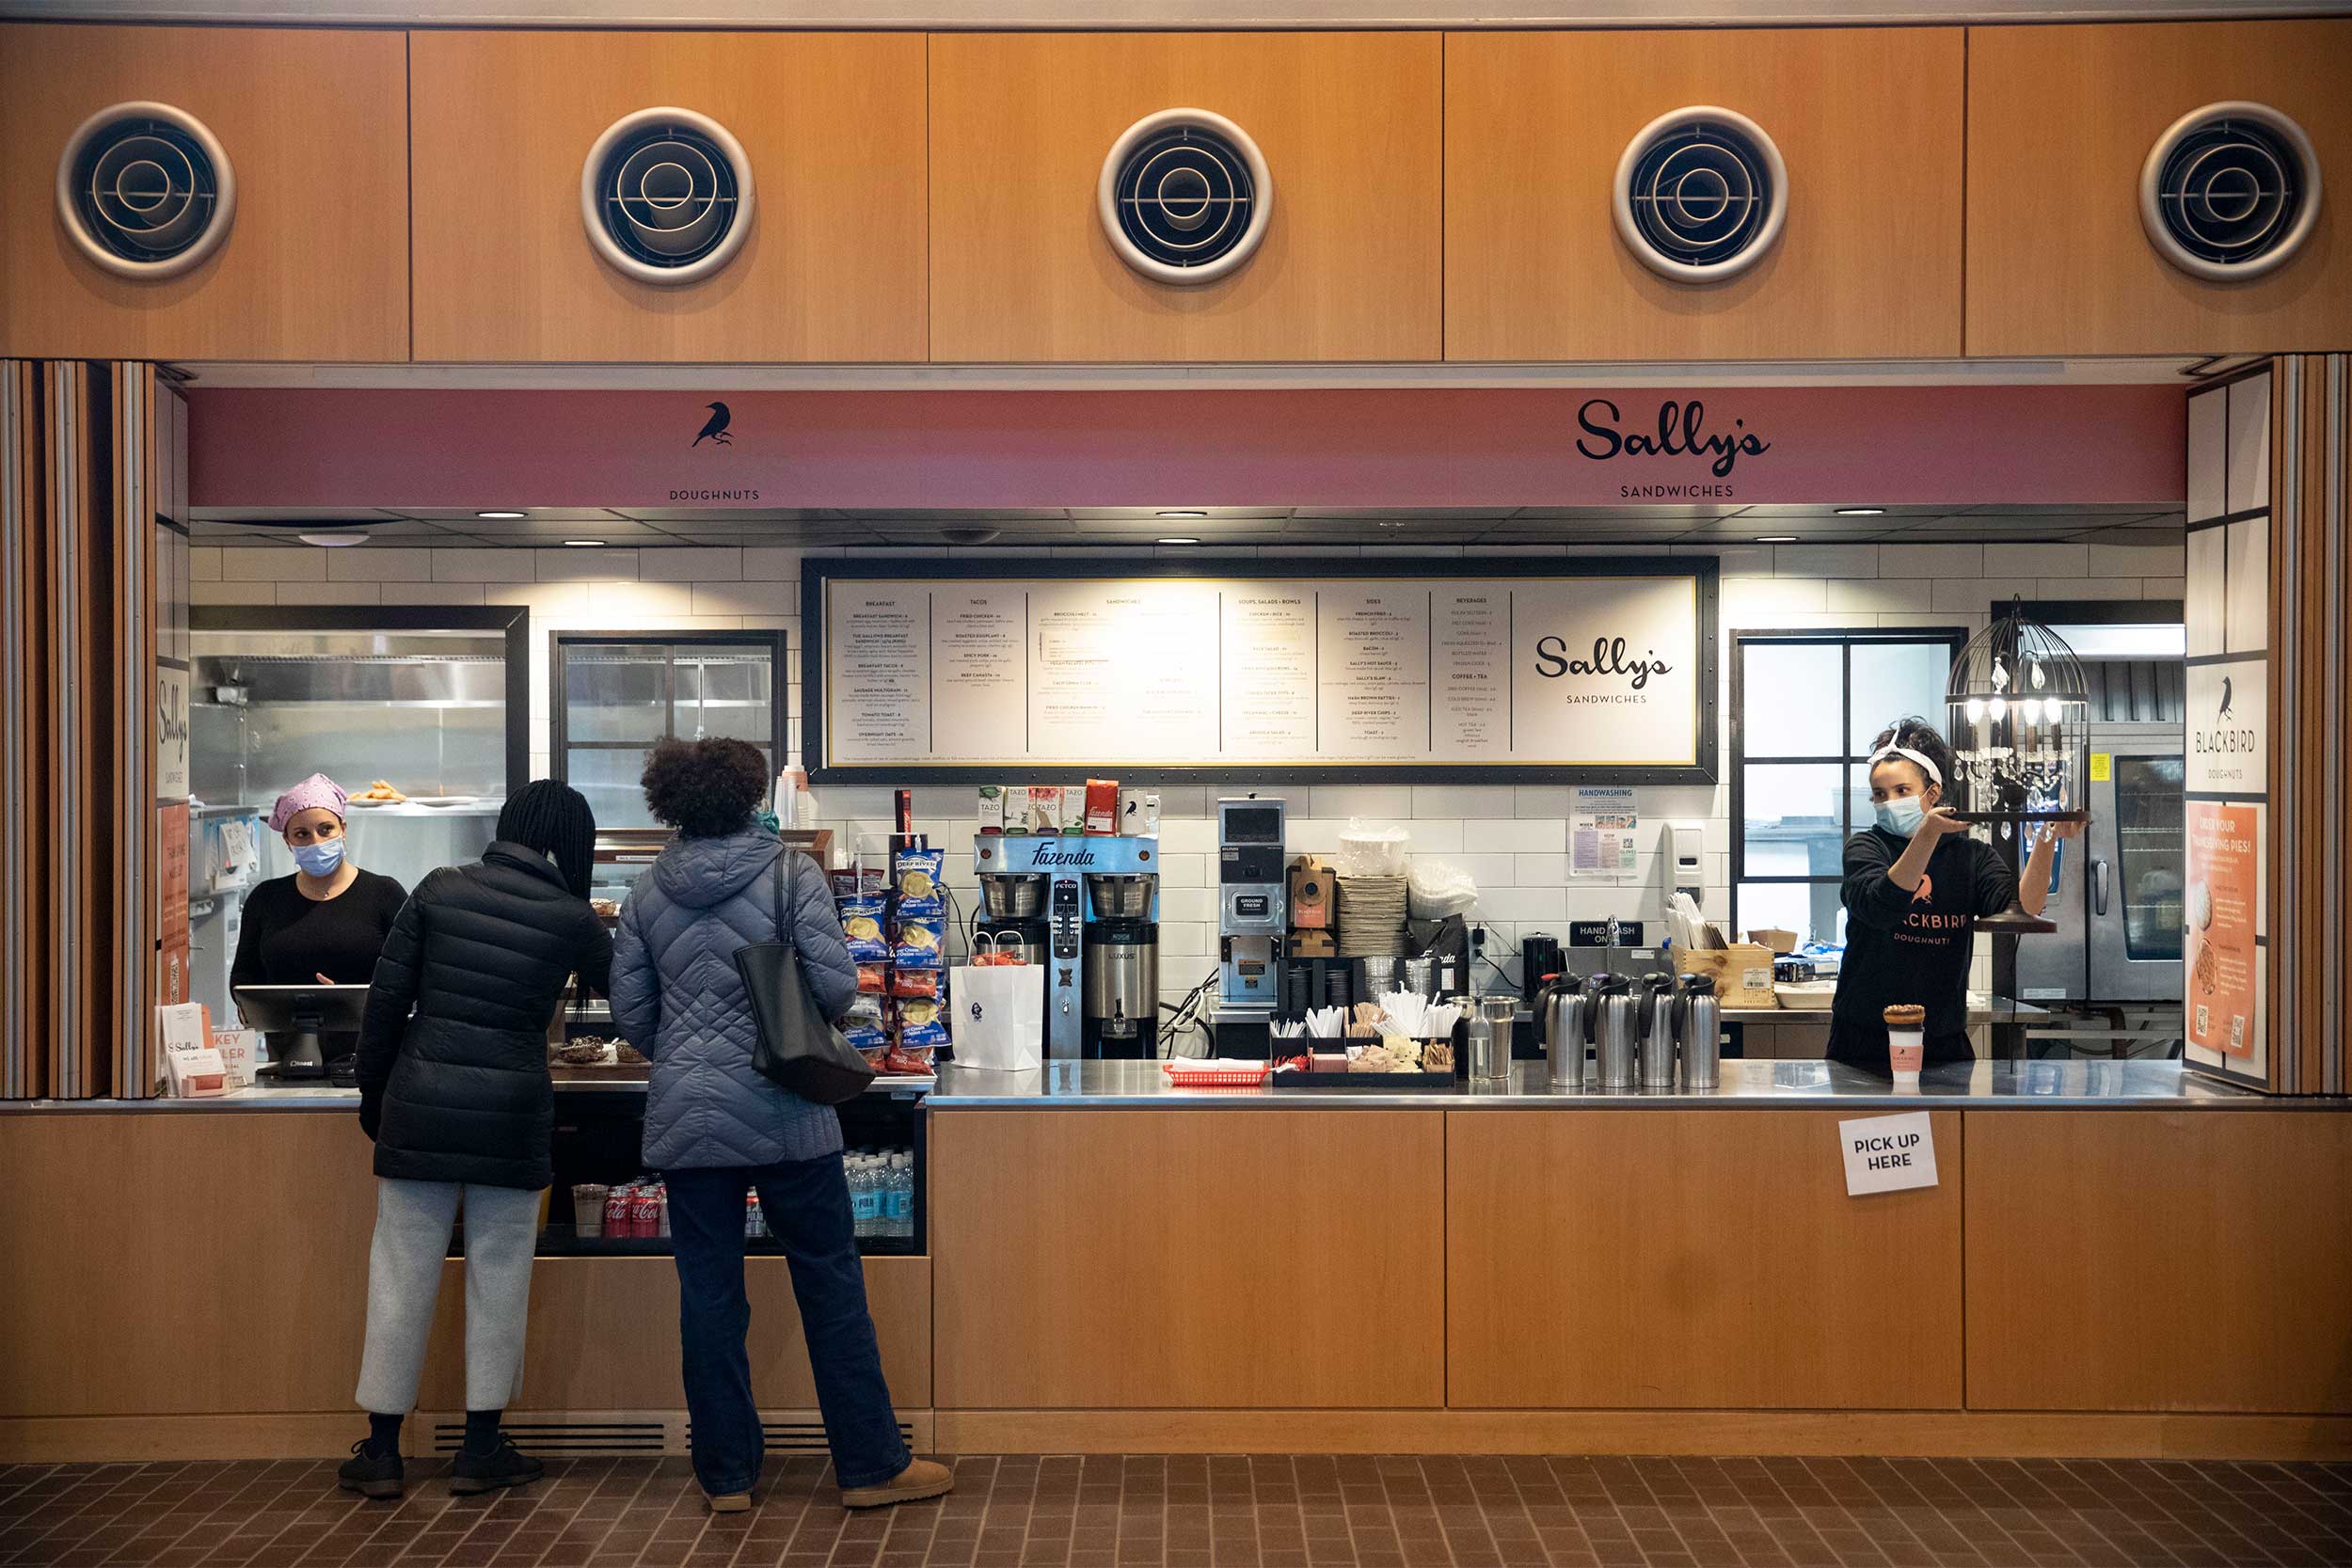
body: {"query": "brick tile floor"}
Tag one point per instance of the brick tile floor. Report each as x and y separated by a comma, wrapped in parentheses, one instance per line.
(1277, 1511)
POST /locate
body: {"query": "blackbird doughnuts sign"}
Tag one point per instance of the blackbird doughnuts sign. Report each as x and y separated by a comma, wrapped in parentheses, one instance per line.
(1280, 671)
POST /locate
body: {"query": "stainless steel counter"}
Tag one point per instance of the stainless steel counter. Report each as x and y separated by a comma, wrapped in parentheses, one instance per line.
(318, 1094)
(1747, 1085)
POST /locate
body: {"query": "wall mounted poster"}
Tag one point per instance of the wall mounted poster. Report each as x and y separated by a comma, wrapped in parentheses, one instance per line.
(1282, 672)
(2222, 953)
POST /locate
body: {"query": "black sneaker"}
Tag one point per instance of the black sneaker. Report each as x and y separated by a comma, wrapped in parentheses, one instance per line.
(504, 1465)
(369, 1473)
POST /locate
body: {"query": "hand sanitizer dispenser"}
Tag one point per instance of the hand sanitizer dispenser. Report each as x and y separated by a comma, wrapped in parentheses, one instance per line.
(1685, 859)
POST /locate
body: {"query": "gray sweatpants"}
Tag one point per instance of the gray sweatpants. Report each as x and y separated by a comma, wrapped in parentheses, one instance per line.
(412, 1229)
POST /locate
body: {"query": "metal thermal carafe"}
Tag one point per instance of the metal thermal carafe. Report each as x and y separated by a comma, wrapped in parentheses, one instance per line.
(1122, 966)
(1564, 1013)
(1251, 907)
(1699, 1025)
(1656, 1030)
(1615, 1021)
(1060, 866)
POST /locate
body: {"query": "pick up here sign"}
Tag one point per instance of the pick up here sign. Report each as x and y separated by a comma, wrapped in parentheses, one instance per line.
(1886, 1154)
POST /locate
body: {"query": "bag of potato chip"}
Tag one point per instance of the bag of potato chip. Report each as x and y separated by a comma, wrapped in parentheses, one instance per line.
(915, 875)
(920, 943)
(861, 925)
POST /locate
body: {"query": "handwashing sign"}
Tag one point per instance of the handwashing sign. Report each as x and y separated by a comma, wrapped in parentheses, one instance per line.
(1887, 1154)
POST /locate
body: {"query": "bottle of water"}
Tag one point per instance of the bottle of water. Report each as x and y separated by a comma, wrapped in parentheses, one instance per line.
(902, 1195)
(865, 1198)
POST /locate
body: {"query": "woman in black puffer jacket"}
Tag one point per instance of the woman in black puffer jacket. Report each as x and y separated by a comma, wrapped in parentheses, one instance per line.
(454, 1088)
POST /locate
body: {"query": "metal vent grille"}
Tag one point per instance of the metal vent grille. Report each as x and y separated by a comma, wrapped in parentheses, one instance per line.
(2230, 191)
(1185, 195)
(569, 1439)
(1701, 194)
(666, 194)
(801, 1437)
(145, 190)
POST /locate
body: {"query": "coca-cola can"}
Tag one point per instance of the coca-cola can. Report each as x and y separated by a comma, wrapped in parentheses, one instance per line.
(644, 1214)
(617, 1207)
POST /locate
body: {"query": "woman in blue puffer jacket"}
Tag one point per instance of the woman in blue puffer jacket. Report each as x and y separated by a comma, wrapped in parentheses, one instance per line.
(716, 1129)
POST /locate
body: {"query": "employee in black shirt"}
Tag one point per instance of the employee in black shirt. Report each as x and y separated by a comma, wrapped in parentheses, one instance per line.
(1916, 883)
(326, 924)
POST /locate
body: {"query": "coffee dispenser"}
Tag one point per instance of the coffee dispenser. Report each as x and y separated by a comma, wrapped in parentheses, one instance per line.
(1615, 1023)
(1656, 1031)
(1699, 1026)
(1566, 1015)
(1051, 874)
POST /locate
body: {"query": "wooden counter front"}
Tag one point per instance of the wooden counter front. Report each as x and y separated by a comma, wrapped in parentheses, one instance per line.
(1176, 1260)
(2159, 1260)
(1694, 1258)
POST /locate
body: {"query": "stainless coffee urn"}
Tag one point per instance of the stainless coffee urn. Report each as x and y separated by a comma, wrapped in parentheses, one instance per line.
(1121, 980)
(1657, 1029)
(1699, 1026)
(1616, 1024)
(1565, 1014)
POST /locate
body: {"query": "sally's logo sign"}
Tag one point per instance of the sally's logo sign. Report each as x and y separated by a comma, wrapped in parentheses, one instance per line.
(1681, 432)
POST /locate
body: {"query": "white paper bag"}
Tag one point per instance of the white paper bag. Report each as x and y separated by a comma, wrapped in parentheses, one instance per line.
(997, 1017)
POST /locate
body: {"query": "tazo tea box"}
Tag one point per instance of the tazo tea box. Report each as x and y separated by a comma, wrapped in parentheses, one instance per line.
(991, 819)
(1045, 813)
(1101, 806)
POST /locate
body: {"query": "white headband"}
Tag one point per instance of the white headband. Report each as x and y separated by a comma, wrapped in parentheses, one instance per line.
(1935, 774)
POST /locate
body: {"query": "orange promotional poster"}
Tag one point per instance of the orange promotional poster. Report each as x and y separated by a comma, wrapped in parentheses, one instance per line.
(2224, 896)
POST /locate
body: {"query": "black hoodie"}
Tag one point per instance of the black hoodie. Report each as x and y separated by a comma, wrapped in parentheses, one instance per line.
(1912, 946)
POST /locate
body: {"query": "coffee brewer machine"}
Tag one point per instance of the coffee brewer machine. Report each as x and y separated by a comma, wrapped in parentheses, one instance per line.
(1251, 909)
(1087, 909)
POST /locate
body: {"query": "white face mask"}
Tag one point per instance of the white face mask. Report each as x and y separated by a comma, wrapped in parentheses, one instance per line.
(1901, 817)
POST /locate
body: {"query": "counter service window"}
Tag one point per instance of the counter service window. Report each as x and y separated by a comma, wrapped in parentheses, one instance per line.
(1805, 706)
(617, 694)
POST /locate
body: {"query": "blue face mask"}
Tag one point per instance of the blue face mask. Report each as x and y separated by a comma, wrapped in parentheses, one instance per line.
(319, 860)
(1901, 817)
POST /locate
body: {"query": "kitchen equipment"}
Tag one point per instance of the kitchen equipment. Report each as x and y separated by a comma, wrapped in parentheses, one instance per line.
(1253, 903)
(1491, 1028)
(1698, 1026)
(1071, 871)
(1564, 1013)
(1616, 1015)
(1310, 893)
(1656, 1028)
(1539, 958)
(1010, 897)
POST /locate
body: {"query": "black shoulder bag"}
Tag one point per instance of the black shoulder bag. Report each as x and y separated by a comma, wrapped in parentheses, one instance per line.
(797, 1046)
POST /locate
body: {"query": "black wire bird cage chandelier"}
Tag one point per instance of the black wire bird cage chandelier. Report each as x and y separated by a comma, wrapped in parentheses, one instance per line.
(2019, 719)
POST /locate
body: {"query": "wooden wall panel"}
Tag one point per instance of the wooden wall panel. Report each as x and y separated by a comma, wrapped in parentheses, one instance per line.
(1172, 1260)
(183, 1262)
(1694, 1258)
(1869, 267)
(2086, 1227)
(1349, 124)
(314, 122)
(833, 124)
(2061, 120)
(603, 1335)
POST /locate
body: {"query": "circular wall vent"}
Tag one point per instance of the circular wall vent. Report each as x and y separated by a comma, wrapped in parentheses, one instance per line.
(145, 190)
(666, 194)
(1185, 195)
(2230, 191)
(1701, 194)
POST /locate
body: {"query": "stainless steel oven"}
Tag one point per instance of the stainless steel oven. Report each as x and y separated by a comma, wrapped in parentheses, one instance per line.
(2116, 891)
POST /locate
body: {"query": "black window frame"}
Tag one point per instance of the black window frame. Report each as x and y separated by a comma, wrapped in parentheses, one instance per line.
(776, 640)
(1846, 639)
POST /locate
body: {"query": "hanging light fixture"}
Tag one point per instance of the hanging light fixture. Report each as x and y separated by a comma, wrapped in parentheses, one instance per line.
(2018, 712)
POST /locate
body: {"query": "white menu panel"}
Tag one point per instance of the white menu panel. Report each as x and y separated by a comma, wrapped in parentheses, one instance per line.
(1200, 672)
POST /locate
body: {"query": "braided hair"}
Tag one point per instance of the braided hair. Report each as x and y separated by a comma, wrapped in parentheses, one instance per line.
(553, 819)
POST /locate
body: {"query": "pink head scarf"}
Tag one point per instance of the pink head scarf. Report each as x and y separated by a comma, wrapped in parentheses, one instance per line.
(318, 790)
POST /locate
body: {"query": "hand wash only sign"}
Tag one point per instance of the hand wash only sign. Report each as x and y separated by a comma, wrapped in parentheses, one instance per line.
(1886, 1154)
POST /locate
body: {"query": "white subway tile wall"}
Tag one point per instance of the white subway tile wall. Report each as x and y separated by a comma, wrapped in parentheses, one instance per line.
(1513, 839)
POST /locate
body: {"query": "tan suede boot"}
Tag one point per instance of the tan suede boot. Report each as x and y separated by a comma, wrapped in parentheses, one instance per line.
(919, 1480)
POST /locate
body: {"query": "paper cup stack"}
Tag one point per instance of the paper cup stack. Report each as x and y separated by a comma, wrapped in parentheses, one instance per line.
(1371, 916)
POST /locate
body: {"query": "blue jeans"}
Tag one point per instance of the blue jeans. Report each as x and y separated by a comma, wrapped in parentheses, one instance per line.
(807, 1203)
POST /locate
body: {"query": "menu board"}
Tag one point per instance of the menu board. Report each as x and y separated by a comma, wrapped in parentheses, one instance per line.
(1594, 674)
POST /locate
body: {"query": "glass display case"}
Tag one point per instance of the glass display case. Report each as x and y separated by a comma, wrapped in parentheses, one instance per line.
(617, 694)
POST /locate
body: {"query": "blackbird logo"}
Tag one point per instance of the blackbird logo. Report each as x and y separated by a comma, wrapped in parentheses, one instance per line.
(976, 1012)
(2224, 712)
(1926, 894)
(714, 429)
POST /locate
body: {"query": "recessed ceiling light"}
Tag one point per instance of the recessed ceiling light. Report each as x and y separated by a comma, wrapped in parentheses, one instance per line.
(1775, 538)
(1180, 541)
(1184, 513)
(332, 541)
(502, 516)
(585, 543)
(1861, 511)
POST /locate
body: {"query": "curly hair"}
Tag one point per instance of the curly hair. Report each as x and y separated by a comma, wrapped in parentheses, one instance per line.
(705, 788)
(1914, 733)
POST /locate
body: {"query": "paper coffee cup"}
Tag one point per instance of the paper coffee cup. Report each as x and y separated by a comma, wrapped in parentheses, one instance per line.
(1906, 1041)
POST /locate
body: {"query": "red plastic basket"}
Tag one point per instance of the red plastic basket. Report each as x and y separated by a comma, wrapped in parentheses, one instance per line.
(1196, 1076)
